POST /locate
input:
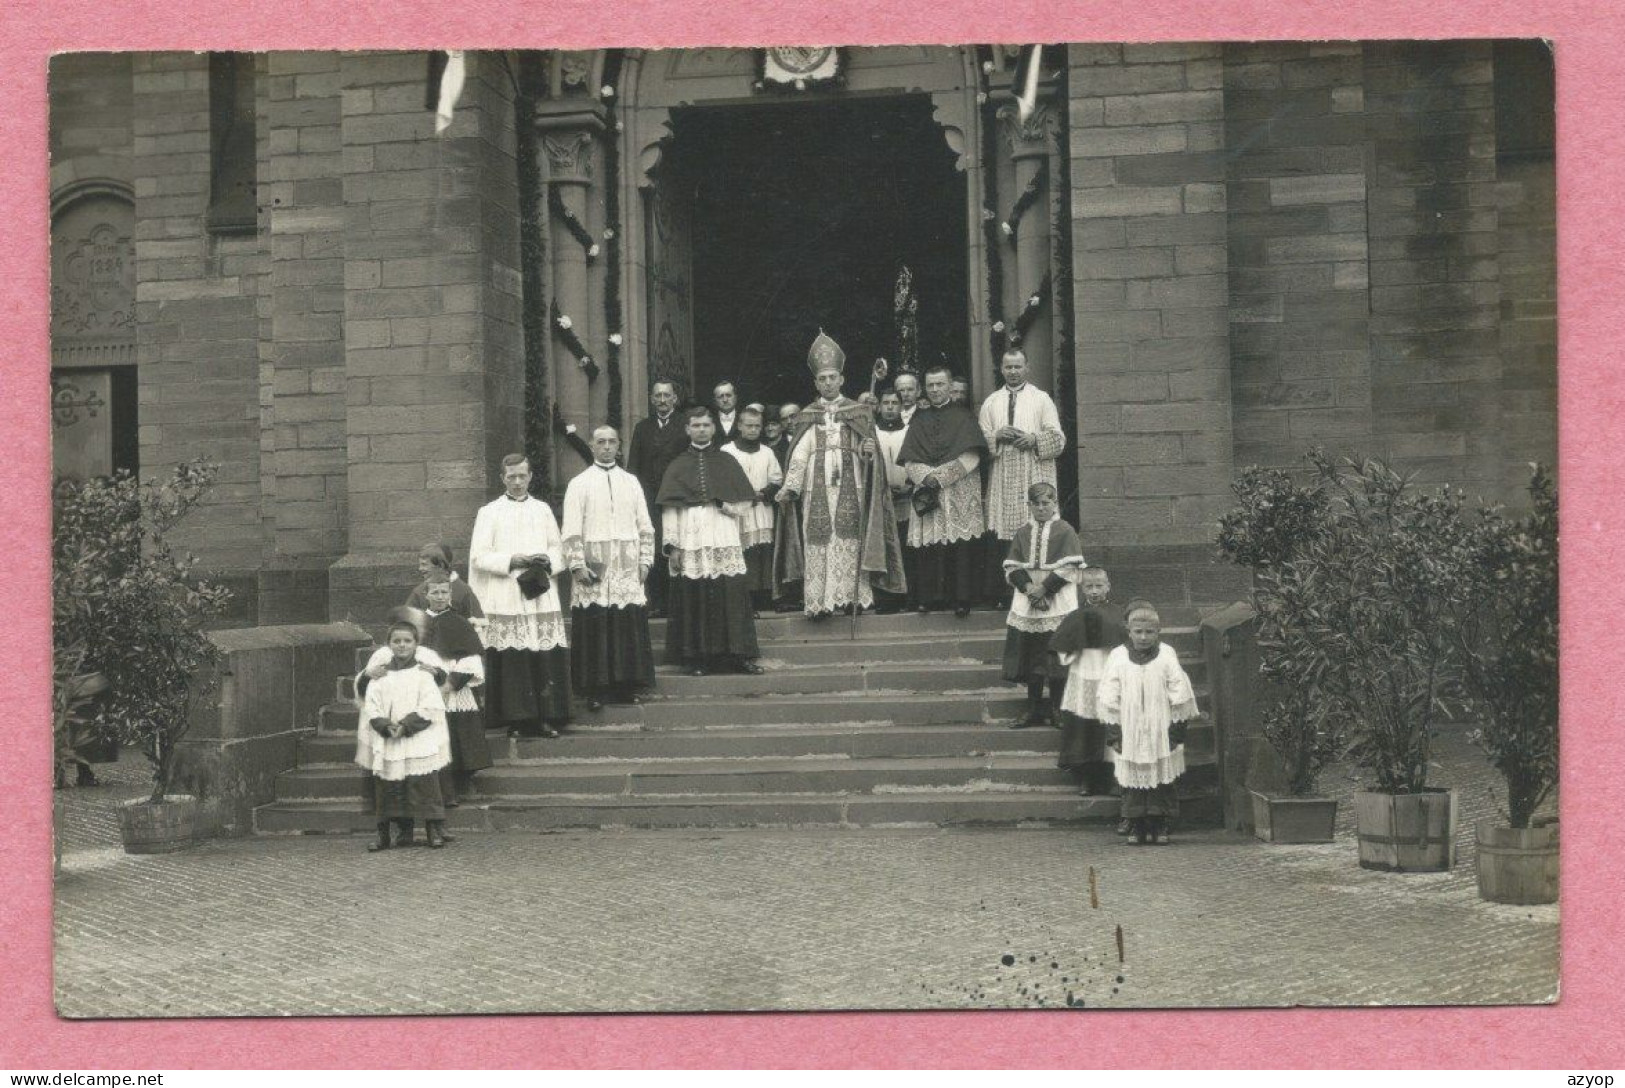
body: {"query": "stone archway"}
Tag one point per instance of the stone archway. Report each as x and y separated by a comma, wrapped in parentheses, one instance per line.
(654, 83)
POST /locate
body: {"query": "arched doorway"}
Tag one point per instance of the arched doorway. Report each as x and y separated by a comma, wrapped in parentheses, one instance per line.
(93, 374)
(802, 215)
(752, 215)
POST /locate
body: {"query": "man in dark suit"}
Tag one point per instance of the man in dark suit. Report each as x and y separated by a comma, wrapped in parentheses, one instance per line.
(656, 442)
(725, 412)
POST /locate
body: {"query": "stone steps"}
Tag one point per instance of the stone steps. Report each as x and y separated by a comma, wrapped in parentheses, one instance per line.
(1040, 807)
(907, 725)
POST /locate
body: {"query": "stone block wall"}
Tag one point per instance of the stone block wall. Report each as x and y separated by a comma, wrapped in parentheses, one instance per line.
(197, 324)
(1295, 133)
(1151, 299)
(90, 108)
(430, 316)
(1151, 292)
(1435, 271)
(302, 350)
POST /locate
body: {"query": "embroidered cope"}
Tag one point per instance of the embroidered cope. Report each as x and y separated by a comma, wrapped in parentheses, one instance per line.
(824, 470)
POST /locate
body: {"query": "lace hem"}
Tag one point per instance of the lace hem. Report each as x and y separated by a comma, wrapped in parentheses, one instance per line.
(396, 770)
(1148, 776)
(749, 538)
(1080, 696)
(822, 593)
(719, 562)
(532, 631)
(1041, 622)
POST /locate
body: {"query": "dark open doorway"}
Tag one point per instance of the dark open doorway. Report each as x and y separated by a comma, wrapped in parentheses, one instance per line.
(803, 214)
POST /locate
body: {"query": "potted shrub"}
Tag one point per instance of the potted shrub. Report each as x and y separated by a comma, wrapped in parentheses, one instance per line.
(1507, 635)
(130, 607)
(1273, 521)
(1376, 592)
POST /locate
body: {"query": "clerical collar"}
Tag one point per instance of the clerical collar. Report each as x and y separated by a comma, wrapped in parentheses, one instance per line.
(521, 498)
(696, 447)
(605, 467)
(890, 425)
(442, 612)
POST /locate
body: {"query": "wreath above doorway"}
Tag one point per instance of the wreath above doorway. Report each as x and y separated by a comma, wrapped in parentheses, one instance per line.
(798, 67)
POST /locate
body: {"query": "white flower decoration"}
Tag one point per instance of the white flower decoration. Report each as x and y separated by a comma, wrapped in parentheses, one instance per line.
(606, 91)
(801, 84)
(609, 232)
(981, 98)
(565, 322)
(998, 326)
(987, 66)
(1007, 228)
(615, 338)
(592, 250)
(1032, 302)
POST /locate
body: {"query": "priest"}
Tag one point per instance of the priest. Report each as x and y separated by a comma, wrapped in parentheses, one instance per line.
(710, 625)
(940, 455)
(1024, 437)
(513, 556)
(609, 546)
(836, 534)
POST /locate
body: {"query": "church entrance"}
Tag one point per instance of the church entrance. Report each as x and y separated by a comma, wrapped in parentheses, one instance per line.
(803, 213)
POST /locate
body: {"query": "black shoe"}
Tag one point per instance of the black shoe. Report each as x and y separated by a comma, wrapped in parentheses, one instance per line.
(382, 842)
(817, 617)
(923, 609)
(548, 733)
(437, 837)
(751, 668)
(697, 670)
(595, 705)
(962, 611)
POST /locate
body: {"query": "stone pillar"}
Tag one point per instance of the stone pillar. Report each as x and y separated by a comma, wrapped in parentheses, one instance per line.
(196, 324)
(1152, 304)
(568, 160)
(1030, 144)
(1435, 268)
(431, 328)
(302, 359)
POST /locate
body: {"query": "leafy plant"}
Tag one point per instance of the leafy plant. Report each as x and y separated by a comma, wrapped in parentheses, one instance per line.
(128, 605)
(1358, 577)
(1506, 633)
(1274, 521)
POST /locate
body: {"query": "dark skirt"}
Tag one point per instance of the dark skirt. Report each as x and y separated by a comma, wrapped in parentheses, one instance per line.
(526, 685)
(759, 568)
(609, 648)
(1083, 752)
(414, 798)
(469, 750)
(709, 618)
(947, 573)
(1161, 801)
(1027, 657)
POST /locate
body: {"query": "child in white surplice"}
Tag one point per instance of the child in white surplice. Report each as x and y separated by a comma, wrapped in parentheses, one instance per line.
(1145, 698)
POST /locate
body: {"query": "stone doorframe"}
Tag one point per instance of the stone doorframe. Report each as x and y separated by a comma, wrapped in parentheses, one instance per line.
(650, 84)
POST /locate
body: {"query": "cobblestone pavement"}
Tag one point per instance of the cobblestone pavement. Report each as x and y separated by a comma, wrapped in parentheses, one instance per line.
(810, 919)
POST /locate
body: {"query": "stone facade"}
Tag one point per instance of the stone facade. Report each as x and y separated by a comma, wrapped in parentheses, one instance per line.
(1272, 246)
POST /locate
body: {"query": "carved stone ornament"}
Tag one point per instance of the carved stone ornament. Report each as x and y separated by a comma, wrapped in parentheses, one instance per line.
(569, 155)
(575, 69)
(68, 401)
(800, 65)
(94, 286)
(1032, 136)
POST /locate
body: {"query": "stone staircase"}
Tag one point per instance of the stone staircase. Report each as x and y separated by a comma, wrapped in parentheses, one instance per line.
(906, 726)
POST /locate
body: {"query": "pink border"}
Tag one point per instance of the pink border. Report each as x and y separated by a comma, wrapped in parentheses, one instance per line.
(1572, 1035)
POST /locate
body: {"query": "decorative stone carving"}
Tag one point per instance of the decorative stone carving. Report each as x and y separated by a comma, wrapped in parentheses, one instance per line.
(569, 155)
(68, 401)
(1034, 136)
(575, 72)
(93, 283)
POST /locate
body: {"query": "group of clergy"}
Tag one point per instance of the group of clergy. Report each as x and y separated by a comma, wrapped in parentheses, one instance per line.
(881, 499)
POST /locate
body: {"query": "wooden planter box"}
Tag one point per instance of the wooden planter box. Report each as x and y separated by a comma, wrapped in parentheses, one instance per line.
(1407, 832)
(1517, 865)
(1293, 819)
(158, 829)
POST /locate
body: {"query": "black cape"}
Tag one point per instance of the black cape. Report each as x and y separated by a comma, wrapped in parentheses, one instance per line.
(696, 477)
(938, 435)
(1089, 628)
